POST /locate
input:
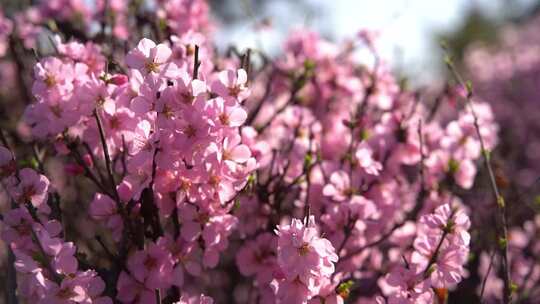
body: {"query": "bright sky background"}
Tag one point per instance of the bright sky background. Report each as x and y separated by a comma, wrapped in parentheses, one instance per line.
(407, 26)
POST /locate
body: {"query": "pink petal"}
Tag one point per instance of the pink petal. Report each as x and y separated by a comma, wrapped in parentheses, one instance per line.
(237, 117)
(329, 190)
(198, 87)
(160, 54)
(145, 46)
(242, 77)
(109, 106)
(140, 105)
(135, 60)
(219, 88)
(211, 258)
(227, 78)
(240, 154)
(190, 230)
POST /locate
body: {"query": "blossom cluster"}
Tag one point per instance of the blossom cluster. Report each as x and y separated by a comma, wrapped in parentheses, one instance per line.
(441, 249)
(161, 171)
(46, 264)
(305, 261)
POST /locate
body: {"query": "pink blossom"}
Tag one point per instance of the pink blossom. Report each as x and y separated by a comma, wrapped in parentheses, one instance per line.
(150, 58)
(339, 187)
(152, 267)
(33, 188)
(304, 258)
(365, 160)
(103, 208)
(231, 85)
(408, 287)
(132, 291)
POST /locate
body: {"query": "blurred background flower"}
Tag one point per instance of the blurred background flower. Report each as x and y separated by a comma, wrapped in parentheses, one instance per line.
(410, 30)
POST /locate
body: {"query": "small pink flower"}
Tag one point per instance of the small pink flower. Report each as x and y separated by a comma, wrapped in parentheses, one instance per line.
(227, 115)
(53, 77)
(103, 208)
(304, 259)
(406, 286)
(364, 158)
(234, 152)
(465, 174)
(231, 85)
(33, 188)
(132, 291)
(149, 57)
(186, 256)
(454, 221)
(152, 266)
(69, 291)
(339, 188)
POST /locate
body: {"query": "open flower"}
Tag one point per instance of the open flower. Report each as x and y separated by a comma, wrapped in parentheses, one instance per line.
(149, 57)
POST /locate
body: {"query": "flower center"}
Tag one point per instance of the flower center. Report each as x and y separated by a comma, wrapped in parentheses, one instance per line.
(348, 191)
(235, 90)
(114, 123)
(187, 98)
(152, 67)
(23, 228)
(28, 192)
(7, 169)
(65, 293)
(203, 218)
(56, 110)
(50, 81)
(190, 50)
(185, 185)
(304, 249)
(226, 155)
(150, 262)
(190, 131)
(100, 101)
(224, 119)
(167, 112)
(214, 180)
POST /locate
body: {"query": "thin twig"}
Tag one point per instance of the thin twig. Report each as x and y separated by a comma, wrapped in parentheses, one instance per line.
(499, 199)
(11, 278)
(422, 157)
(196, 63)
(158, 296)
(484, 281)
(94, 160)
(106, 154)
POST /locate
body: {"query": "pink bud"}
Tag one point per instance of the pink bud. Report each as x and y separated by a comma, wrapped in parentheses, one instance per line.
(73, 169)
(119, 79)
(87, 158)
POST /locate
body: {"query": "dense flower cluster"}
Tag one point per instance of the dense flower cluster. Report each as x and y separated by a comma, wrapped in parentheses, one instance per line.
(46, 264)
(305, 262)
(440, 251)
(161, 171)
